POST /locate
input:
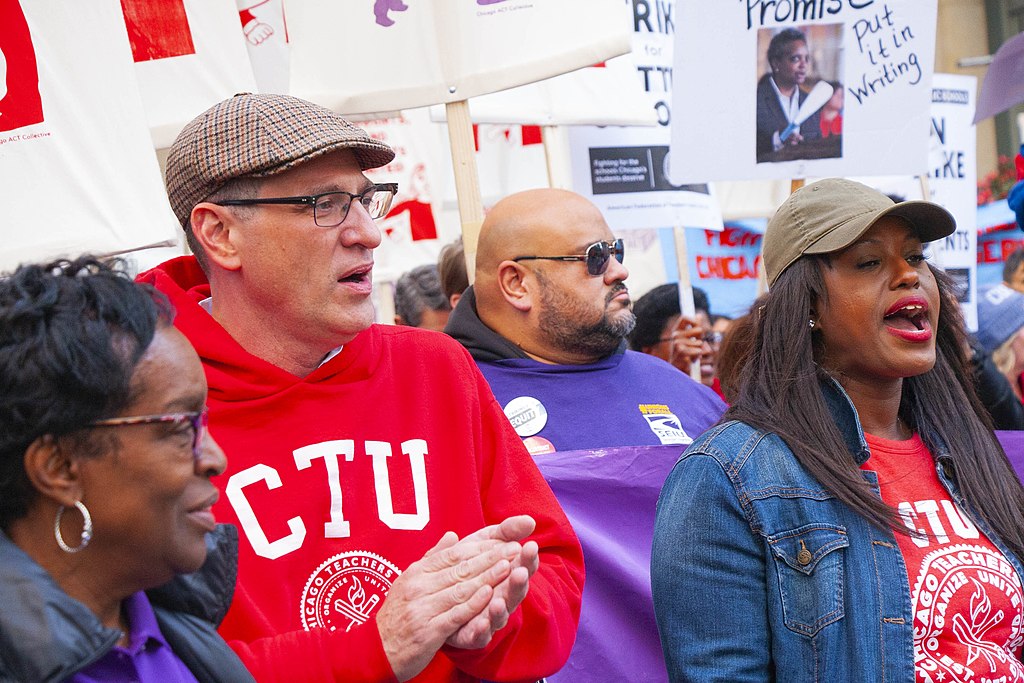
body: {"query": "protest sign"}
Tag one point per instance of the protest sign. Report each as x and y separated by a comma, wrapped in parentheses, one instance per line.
(725, 264)
(952, 183)
(443, 51)
(624, 170)
(77, 167)
(800, 89)
(994, 248)
(189, 54)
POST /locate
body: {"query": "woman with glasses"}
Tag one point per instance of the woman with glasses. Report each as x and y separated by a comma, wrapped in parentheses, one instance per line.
(853, 517)
(105, 488)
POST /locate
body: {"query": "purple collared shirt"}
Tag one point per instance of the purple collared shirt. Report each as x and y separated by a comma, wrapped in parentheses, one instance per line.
(147, 658)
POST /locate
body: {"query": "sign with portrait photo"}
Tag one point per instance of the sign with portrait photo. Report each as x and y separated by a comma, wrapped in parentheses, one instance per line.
(798, 89)
(624, 169)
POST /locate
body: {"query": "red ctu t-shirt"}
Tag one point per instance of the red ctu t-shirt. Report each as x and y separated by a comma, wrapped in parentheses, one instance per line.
(966, 597)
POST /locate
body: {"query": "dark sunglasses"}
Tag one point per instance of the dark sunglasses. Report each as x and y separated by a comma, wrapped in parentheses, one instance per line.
(597, 256)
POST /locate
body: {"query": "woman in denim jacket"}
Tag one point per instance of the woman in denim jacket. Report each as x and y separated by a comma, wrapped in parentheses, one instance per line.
(853, 517)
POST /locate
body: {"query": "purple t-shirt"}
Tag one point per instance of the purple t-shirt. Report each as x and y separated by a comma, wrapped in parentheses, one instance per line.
(627, 399)
(147, 659)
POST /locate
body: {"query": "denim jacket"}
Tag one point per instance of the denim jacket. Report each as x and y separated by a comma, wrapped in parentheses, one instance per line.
(760, 574)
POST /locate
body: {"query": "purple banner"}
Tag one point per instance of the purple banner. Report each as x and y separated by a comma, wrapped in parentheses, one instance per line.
(1013, 444)
(610, 497)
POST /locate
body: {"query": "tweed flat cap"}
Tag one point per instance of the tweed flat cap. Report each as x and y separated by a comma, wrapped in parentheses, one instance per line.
(258, 135)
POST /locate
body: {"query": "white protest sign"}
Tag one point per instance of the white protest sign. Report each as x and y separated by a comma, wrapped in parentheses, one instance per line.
(360, 57)
(624, 170)
(189, 54)
(77, 168)
(953, 171)
(608, 94)
(739, 87)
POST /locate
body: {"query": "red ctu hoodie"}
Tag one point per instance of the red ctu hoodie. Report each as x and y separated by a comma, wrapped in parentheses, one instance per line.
(340, 480)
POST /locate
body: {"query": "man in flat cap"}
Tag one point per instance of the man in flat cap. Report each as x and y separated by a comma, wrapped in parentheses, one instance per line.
(392, 522)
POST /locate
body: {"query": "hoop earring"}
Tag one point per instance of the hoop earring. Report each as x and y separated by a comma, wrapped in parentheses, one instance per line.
(86, 529)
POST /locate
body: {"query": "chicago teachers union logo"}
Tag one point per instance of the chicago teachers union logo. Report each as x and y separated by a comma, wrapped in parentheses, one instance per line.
(346, 590)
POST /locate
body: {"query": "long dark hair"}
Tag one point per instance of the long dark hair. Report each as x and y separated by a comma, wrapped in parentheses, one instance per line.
(780, 392)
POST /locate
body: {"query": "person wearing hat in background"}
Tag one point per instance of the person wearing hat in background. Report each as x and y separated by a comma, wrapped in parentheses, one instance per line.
(852, 517)
(1001, 332)
(392, 522)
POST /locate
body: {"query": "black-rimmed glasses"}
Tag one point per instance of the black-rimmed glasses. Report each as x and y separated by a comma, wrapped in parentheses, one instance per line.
(197, 420)
(597, 256)
(331, 208)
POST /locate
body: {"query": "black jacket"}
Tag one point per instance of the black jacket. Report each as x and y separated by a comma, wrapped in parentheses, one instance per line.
(995, 392)
(45, 635)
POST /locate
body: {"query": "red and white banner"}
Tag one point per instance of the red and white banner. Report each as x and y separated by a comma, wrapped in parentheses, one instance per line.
(77, 167)
(190, 54)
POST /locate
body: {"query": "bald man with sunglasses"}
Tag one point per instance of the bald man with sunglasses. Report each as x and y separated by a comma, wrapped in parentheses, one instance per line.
(546, 322)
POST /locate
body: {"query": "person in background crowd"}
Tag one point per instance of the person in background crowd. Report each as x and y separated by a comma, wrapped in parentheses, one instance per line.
(111, 565)
(855, 486)
(720, 324)
(384, 501)
(663, 332)
(451, 267)
(1001, 332)
(734, 350)
(419, 301)
(546, 321)
(1013, 270)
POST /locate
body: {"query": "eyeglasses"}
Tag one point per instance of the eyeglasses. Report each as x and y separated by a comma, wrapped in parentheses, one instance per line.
(597, 256)
(198, 422)
(331, 208)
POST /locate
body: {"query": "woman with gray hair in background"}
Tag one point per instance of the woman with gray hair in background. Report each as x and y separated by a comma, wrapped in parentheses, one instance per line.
(105, 490)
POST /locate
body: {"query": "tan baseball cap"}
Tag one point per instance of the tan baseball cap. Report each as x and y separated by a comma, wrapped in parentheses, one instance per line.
(258, 135)
(830, 215)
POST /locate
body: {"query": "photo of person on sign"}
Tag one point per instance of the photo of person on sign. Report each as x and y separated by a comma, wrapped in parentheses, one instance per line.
(791, 94)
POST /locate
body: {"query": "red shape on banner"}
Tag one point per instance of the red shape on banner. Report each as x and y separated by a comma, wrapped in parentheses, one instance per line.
(20, 104)
(421, 219)
(532, 135)
(157, 29)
